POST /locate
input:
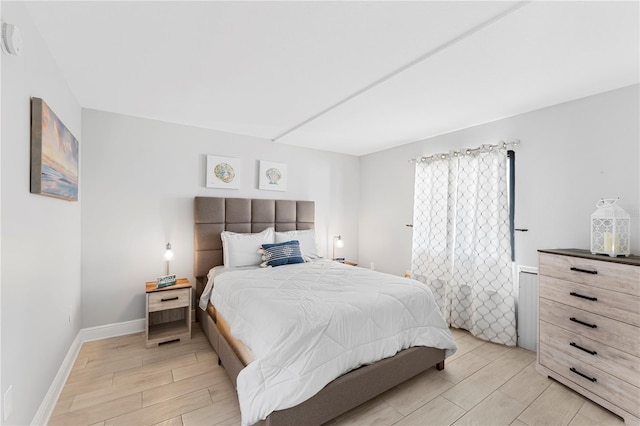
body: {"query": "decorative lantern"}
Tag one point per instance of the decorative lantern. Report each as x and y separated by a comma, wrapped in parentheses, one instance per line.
(610, 229)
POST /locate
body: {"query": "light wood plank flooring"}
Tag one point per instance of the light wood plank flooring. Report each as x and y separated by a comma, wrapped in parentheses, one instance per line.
(119, 382)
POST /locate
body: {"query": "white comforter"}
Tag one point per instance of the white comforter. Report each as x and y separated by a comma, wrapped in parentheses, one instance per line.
(307, 324)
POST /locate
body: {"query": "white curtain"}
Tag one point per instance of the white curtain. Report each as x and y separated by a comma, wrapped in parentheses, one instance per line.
(461, 241)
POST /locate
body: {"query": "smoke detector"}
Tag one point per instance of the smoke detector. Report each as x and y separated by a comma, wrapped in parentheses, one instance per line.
(10, 39)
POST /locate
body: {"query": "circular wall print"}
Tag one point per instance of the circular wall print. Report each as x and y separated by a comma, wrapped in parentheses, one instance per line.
(273, 175)
(224, 172)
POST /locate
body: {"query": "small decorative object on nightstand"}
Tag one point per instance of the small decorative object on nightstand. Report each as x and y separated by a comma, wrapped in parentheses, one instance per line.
(168, 312)
(343, 260)
(166, 281)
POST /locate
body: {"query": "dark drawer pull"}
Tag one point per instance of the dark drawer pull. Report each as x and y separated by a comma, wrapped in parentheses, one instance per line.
(586, 271)
(169, 299)
(583, 349)
(593, 379)
(593, 299)
(583, 323)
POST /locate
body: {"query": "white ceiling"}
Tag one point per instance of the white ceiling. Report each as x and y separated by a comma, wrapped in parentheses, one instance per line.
(350, 77)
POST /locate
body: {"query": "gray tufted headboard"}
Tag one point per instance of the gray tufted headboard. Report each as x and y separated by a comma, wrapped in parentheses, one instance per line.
(214, 215)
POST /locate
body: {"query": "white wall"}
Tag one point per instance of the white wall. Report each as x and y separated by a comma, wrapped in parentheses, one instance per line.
(571, 155)
(1, 388)
(40, 235)
(139, 180)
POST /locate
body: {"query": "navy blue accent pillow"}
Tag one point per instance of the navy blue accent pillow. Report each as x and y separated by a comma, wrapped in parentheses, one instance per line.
(281, 254)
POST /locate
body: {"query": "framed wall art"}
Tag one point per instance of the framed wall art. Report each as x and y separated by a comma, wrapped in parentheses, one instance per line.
(54, 155)
(273, 176)
(223, 172)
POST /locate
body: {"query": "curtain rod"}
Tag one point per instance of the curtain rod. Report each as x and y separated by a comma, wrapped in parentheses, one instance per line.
(466, 151)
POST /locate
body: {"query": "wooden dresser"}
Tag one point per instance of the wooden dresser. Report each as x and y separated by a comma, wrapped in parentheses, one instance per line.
(589, 327)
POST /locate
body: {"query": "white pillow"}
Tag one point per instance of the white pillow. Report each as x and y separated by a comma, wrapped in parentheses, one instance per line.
(242, 249)
(306, 238)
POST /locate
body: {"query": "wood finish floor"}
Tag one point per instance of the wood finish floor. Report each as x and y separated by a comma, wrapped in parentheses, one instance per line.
(119, 382)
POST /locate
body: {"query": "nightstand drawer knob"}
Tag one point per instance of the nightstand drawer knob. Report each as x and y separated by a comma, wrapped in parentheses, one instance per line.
(169, 299)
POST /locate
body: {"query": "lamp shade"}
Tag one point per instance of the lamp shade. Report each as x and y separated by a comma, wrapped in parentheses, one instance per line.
(337, 242)
(168, 254)
(610, 229)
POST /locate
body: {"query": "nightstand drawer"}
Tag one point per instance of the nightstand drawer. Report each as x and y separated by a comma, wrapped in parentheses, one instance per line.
(168, 299)
(598, 273)
(611, 304)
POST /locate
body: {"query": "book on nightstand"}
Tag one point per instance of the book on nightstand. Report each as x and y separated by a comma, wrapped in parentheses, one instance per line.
(165, 281)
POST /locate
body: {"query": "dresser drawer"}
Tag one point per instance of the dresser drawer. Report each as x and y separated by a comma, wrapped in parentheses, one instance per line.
(168, 299)
(607, 275)
(611, 304)
(606, 358)
(612, 389)
(621, 336)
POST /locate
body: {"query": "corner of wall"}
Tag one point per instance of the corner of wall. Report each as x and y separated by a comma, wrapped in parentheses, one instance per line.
(40, 236)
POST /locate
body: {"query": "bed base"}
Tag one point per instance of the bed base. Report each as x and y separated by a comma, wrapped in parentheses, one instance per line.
(344, 393)
(212, 215)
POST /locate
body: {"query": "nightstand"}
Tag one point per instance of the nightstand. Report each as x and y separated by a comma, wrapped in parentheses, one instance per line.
(346, 262)
(168, 312)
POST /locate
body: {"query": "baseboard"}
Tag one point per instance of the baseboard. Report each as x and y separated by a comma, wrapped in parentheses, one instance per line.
(49, 402)
(84, 335)
(112, 330)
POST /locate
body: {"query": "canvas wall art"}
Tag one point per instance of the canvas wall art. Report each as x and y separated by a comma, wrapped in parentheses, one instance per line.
(273, 176)
(223, 172)
(54, 155)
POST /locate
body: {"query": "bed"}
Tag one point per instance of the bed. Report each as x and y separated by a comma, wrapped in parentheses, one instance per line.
(215, 215)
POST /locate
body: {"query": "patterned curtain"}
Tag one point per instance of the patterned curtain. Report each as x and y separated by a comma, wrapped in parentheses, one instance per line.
(461, 241)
